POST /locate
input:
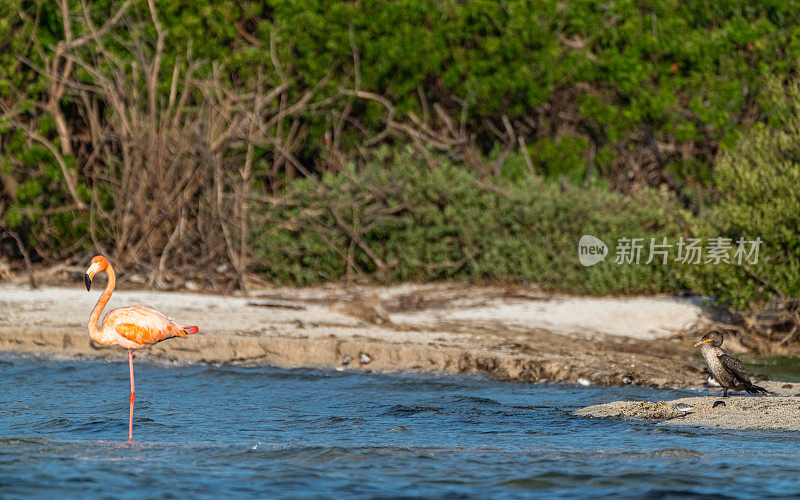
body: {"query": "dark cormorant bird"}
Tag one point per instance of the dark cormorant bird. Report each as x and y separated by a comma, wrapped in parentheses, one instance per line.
(726, 368)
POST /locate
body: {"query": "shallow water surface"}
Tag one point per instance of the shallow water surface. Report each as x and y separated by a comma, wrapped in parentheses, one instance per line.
(783, 368)
(209, 431)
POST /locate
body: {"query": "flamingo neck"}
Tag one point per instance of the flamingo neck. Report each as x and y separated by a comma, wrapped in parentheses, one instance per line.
(101, 302)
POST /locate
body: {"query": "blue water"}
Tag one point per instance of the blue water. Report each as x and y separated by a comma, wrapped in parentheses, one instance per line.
(205, 431)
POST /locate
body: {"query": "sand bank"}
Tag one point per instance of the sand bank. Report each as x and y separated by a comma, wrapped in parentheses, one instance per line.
(505, 333)
(779, 411)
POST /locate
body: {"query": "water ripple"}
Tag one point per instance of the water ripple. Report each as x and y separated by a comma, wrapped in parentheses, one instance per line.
(262, 432)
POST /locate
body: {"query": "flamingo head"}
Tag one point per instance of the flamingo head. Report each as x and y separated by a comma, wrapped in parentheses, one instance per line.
(99, 263)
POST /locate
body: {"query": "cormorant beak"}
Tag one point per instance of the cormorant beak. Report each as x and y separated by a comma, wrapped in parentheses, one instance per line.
(88, 281)
(702, 342)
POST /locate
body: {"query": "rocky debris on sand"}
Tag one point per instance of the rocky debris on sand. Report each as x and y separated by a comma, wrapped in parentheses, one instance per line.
(737, 412)
(368, 308)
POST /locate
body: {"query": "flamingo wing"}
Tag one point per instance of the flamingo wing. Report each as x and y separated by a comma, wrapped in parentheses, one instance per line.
(143, 325)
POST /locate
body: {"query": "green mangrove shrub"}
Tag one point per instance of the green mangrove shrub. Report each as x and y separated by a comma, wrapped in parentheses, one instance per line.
(397, 219)
(758, 180)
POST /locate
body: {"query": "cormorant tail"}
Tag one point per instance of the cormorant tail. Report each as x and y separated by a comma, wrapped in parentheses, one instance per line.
(754, 389)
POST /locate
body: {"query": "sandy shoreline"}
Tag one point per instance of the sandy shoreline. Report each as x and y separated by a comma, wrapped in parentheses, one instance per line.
(509, 334)
(503, 333)
(779, 411)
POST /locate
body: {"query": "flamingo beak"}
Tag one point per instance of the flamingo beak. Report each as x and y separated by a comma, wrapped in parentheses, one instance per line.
(702, 342)
(87, 278)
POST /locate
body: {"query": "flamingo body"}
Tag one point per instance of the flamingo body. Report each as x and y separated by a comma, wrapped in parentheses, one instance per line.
(139, 326)
(131, 328)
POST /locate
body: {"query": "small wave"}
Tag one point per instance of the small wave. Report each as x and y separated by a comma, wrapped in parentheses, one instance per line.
(546, 480)
(341, 420)
(22, 441)
(476, 400)
(98, 425)
(527, 483)
(404, 411)
(55, 423)
(81, 427)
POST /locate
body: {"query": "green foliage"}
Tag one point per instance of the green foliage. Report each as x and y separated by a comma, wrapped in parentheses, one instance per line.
(38, 181)
(398, 220)
(685, 70)
(585, 78)
(758, 183)
(558, 157)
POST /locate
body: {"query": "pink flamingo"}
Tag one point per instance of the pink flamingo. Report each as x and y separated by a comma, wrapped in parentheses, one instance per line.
(128, 327)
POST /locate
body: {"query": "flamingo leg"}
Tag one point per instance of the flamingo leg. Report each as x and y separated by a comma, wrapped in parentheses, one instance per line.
(132, 398)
